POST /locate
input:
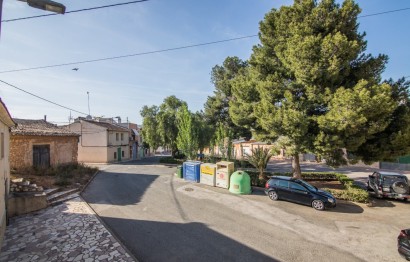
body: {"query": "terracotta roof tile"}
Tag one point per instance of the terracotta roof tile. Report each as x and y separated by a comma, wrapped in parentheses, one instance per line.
(109, 126)
(30, 127)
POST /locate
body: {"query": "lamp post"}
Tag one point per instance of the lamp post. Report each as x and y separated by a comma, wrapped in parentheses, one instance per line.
(40, 4)
(46, 5)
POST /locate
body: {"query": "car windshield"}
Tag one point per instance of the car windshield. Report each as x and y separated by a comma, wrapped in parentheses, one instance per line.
(389, 180)
(309, 186)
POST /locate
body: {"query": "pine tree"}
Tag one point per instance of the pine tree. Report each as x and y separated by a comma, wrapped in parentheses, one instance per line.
(310, 80)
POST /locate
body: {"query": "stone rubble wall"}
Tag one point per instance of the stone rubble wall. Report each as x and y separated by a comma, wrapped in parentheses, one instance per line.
(63, 149)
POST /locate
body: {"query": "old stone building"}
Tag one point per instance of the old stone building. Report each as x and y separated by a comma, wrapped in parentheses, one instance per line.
(40, 143)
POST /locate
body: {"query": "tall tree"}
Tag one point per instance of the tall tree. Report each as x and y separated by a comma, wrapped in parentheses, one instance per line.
(204, 130)
(150, 132)
(311, 83)
(217, 106)
(167, 122)
(187, 139)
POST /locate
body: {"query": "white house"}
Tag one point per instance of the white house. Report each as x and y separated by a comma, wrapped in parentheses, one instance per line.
(101, 142)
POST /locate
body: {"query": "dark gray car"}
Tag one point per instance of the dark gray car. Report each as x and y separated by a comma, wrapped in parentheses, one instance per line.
(389, 184)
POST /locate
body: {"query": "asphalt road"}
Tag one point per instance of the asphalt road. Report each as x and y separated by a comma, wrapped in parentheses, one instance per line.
(162, 218)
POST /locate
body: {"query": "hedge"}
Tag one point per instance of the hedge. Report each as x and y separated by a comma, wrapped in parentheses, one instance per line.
(170, 160)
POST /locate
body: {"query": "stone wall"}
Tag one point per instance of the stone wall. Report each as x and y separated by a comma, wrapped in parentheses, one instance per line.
(22, 204)
(63, 149)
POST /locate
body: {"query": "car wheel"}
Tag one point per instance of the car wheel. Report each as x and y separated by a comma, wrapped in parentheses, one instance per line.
(400, 187)
(273, 195)
(318, 205)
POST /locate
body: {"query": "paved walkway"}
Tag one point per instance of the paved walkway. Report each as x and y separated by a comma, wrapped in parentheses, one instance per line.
(67, 232)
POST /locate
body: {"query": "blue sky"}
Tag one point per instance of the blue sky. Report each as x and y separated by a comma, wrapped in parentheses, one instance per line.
(121, 87)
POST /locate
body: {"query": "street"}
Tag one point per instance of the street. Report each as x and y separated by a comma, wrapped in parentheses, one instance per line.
(159, 217)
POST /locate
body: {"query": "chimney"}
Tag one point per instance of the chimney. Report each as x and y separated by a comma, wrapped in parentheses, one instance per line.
(45, 117)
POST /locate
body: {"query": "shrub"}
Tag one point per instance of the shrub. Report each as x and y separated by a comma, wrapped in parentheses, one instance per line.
(259, 159)
(62, 181)
(255, 179)
(351, 193)
(170, 160)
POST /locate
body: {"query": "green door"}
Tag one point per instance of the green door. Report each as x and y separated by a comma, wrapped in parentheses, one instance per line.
(119, 153)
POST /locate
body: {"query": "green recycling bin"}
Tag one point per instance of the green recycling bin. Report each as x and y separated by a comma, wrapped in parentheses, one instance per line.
(179, 172)
(240, 183)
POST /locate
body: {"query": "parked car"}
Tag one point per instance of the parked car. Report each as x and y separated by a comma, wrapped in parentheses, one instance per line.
(389, 184)
(403, 243)
(298, 191)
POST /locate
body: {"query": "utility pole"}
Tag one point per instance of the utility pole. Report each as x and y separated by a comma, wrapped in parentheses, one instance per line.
(88, 95)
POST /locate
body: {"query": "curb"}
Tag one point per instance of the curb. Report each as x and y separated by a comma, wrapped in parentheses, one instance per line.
(109, 230)
(89, 181)
(101, 221)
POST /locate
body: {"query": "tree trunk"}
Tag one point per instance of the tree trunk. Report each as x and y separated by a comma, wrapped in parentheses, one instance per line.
(262, 175)
(296, 166)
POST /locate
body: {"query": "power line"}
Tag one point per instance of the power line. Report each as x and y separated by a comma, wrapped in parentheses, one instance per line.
(162, 50)
(54, 103)
(74, 11)
(386, 12)
(139, 1)
(129, 55)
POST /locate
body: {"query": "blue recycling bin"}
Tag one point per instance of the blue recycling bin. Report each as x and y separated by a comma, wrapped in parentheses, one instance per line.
(192, 171)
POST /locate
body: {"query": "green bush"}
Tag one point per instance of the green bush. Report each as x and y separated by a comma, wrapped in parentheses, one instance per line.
(255, 179)
(345, 180)
(170, 160)
(351, 193)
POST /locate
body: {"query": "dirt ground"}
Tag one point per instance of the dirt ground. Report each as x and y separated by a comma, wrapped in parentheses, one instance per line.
(71, 176)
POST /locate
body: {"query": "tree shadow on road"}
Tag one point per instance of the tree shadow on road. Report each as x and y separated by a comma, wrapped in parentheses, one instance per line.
(346, 207)
(376, 202)
(165, 241)
(108, 188)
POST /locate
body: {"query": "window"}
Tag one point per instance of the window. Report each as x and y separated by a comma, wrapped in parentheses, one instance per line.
(273, 182)
(116, 136)
(122, 136)
(115, 155)
(283, 183)
(298, 187)
(122, 153)
(2, 146)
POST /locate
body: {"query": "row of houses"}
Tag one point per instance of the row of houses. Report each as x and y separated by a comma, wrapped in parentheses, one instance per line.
(38, 143)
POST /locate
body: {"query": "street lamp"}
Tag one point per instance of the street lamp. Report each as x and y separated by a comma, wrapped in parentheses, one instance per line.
(40, 4)
(46, 5)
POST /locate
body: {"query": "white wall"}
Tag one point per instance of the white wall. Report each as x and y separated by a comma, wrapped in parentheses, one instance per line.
(92, 146)
(4, 176)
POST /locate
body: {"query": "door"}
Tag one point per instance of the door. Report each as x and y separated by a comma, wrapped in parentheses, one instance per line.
(119, 153)
(41, 155)
(283, 189)
(300, 194)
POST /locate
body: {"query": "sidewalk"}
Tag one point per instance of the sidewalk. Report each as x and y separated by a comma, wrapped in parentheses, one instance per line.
(67, 232)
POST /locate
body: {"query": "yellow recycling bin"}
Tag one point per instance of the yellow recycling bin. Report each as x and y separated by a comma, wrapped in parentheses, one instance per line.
(208, 174)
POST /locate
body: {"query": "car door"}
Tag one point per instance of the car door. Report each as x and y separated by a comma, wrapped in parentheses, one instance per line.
(373, 181)
(283, 189)
(300, 194)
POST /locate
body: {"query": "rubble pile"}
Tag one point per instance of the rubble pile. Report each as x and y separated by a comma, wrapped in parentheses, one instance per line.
(19, 185)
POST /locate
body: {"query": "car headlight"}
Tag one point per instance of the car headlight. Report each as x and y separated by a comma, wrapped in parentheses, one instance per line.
(331, 200)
